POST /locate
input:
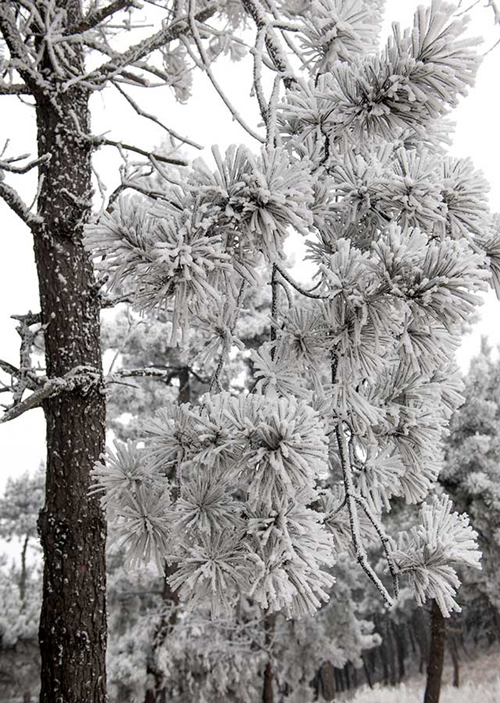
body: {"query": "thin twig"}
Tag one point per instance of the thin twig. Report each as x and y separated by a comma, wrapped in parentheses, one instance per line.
(153, 118)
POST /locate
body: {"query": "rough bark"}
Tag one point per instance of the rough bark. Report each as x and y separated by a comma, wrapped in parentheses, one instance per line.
(436, 655)
(72, 630)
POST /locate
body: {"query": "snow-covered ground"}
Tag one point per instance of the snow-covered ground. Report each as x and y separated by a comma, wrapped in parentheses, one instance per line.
(480, 683)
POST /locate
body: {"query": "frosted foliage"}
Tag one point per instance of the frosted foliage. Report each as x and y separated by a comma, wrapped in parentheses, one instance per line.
(260, 492)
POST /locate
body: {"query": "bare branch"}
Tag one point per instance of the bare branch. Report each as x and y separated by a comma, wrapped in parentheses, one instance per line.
(97, 16)
(17, 205)
(384, 539)
(103, 141)
(107, 303)
(143, 48)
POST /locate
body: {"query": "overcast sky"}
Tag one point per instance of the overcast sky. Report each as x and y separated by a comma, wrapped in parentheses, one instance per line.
(206, 121)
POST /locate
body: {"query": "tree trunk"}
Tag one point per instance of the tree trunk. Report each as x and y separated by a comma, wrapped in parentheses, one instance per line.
(72, 630)
(436, 655)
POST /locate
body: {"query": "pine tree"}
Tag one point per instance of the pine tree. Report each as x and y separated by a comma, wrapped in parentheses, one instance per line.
(354, 387)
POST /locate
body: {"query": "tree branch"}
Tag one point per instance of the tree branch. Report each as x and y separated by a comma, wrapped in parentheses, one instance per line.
(102, 141)
(359, 549)
(14, 89)
(17, 205)
(298, 288)
(15, 43)
(153, 118)
(92, 19)
(80, 377)
(33, 381)
(7, 165)
(144, 48)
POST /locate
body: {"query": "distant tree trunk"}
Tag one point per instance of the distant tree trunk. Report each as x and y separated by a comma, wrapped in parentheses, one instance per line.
(22, 578)
(366, 669)
(420, 630)
(436, 655)
(267, 690)
(327, 681)
(72, 529)
(400, 643)
(452, 642)
(184, 386)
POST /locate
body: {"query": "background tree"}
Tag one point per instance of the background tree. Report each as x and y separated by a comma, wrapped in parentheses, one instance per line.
(20, 608)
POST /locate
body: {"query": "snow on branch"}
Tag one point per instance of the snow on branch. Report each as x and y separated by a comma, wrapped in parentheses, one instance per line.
(82, 377)
(10, 196)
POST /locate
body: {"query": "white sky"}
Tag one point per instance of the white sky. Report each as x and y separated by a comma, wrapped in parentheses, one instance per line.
(206, 121)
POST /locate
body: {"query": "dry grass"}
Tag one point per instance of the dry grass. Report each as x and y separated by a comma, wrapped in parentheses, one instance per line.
(480, 683)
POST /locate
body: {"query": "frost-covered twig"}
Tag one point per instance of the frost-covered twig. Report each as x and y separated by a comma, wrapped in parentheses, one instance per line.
(20, 58)
(278, 56)
(103, 141)
(8, 164)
